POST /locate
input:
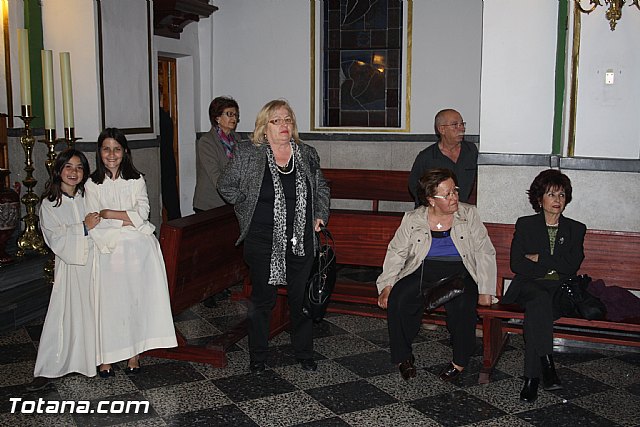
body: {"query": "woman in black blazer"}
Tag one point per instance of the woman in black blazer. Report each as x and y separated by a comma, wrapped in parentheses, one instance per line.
(546, 249)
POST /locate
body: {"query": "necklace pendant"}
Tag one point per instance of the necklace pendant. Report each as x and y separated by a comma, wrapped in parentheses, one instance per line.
(439, 226)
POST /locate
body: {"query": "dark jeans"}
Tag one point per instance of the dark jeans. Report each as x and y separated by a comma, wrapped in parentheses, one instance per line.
(257, 255)
(405, 309)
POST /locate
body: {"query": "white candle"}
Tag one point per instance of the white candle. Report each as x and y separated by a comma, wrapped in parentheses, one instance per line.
(23, 61)
(47, 90)
(67, 93)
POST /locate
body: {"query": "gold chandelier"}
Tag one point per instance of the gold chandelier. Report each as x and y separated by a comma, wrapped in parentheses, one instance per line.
(614, 10)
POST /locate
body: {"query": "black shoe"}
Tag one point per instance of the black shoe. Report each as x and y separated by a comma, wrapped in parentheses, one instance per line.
(308, 364)
(39, 383)
(107, 373)
(407, 368)
(529, 392)
(132, 371)
(449, 373)
(257, 366)
(550, 380)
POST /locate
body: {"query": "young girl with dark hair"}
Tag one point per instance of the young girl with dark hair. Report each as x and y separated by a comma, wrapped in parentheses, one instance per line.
(132, 296)
(67, 343)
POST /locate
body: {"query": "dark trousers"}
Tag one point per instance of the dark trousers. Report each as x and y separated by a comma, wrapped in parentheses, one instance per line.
(404, 317)
(536, 297)
(257, 255)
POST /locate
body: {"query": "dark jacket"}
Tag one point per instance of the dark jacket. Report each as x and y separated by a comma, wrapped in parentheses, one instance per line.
(239, 184)
(466, 168)
(531, 237)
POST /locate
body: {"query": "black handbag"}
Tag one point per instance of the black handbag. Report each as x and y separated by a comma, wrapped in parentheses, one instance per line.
(322, 279)
(442, 291)
(572, 299)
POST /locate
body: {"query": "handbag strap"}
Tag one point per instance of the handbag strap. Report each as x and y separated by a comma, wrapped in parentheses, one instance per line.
(328, 240)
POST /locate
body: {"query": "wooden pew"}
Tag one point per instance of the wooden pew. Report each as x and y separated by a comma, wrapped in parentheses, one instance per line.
(362, 237)
(201, 260)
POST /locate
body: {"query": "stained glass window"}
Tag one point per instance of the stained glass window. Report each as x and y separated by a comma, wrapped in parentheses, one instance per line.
(362, 63)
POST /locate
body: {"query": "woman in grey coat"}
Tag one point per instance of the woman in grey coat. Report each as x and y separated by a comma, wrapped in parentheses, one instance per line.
(280, 197)
(213, 151)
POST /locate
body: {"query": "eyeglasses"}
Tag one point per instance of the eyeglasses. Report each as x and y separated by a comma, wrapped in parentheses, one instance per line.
(278, 122)
(449, 195)
(231, 114)
(457, 125)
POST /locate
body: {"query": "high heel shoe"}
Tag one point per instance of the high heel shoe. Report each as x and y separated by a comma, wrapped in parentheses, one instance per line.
(407, 368)
(529, 392)
(106, 373)
(133, 370)
(550, 380)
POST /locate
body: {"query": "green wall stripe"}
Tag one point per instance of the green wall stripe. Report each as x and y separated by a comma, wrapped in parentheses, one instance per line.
(33, 23)
(561, 48)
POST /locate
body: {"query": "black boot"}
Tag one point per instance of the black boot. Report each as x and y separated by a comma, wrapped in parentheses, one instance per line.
(550, 380)
(529, 392)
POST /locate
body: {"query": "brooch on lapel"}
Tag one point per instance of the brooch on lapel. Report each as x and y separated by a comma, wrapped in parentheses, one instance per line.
(561, 240)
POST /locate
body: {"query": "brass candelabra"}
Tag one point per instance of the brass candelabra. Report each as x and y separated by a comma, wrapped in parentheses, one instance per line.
(70, 137)
(31, 237)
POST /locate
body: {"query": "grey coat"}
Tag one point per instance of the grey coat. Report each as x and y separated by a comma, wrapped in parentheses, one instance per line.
(239, 184)
(211, 160)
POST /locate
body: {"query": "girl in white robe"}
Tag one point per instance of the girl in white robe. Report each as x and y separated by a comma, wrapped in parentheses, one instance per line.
(133, 312)
(68, 343)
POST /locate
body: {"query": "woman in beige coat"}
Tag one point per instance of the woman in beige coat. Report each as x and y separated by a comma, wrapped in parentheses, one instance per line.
(440, 239)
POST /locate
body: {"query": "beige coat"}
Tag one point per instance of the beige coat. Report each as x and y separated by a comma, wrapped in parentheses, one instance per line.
(412, 241)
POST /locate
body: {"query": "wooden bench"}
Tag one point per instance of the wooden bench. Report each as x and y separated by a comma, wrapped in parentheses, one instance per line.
(361, 239)
(202, 260)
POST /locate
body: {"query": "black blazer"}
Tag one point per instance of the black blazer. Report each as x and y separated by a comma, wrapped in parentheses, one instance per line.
(531, 237)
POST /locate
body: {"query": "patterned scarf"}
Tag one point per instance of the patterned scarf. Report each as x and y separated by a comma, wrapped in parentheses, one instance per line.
(278, 267)
(227, 142)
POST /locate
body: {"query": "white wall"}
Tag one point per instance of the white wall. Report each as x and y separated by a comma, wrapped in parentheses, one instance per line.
(518, 69)
(447, 51)
(61, 33)
(608, 116)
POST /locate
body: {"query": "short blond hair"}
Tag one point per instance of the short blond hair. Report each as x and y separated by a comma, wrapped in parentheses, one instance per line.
(258, 137)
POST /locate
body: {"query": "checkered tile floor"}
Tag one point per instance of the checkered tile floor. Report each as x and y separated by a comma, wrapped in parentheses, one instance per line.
(355, 384)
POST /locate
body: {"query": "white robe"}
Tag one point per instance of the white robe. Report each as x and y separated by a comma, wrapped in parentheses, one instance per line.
(133, 312)
(68, 340)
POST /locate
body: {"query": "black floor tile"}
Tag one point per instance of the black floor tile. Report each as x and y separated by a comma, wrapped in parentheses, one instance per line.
(568, 359)
(456, 408)
(368, 364)
(326, 329)
(13, 353)
(379, 337)
(634, 389)
(351, 396)
(165, 374)
(578, 385)
(253, 386)
(228, 415)
(565, 415)
(284, 355)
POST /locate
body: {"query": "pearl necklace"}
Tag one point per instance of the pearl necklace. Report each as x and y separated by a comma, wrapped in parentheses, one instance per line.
(285, 170)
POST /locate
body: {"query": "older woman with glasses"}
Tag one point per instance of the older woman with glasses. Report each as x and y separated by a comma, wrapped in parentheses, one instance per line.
(280, 198)
(547, 248)
(441, 239)
(213, 151)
